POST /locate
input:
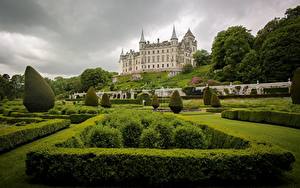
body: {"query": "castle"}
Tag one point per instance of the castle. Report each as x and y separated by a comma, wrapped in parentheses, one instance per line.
(168, 56)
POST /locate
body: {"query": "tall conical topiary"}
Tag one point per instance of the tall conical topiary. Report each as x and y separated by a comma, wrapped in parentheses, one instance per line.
(91, 99)
(105, 102)
(176, 104)
(155, 102)
(207, 96)
(215, 101)
(295, 88)
(38, 95)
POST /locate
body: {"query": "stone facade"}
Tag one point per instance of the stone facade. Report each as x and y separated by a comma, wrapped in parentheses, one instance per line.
(168, 56)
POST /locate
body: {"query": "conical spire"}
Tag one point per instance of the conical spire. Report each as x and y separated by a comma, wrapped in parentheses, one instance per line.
(122, 53)
(189, 33)
(174, 33)
(142, 37)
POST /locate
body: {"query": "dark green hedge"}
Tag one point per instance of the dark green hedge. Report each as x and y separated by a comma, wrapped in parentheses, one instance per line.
(79, 118)
(13, 136)
(272, 117)
(40, 115)
(125, 101)
(12, 120)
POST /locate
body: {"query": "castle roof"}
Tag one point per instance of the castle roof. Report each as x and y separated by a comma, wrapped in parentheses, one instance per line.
(189, 34)
(174, 33)
(142, 37)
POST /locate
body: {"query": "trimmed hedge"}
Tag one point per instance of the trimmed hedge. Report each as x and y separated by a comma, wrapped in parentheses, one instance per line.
(12, 137)
(272, 117)
(79, 118)
(176, 104)
(40, 115)
(11, 120)
(91, 98)
(125, 101)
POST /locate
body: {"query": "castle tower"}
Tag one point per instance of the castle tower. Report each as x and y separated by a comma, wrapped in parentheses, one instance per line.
(174, 39)
(142, 40)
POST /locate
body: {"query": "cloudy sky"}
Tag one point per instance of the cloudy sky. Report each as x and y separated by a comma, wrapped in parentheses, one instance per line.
(62, 38)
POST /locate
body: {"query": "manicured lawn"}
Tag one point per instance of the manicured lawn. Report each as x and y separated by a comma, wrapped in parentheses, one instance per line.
(286, 138)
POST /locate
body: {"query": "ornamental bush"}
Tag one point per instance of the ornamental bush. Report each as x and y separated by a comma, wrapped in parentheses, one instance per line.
(105, 102)
(215, 101)
(189, 137)
(150, 138)
(165, 132)
(105, 137)
(38, 95)
(295, 88)
(91, 99)
(207, 96)
(176, 104)
(131, 132)
(155, 102)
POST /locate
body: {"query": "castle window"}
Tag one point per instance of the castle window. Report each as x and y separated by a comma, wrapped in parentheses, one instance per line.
(157, 65)
(148, 66)
(168, 65)
(162, 58)
(158, 51)
(158, 58)
(153, 59)
(148, 59)
(162, 51)
(136, 68)
(167, 50)
(172, 49)
(167, 57)
(148, 52)
(153, 52)
(162, 65)
(153, 66)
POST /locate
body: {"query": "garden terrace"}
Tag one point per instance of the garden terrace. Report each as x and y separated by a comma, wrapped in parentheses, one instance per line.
(69, 161)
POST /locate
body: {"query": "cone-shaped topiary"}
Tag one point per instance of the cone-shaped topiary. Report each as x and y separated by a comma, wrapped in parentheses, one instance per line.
(176, 104)
(215, 101)
(105, 102)
(207, 96)
(155, 102)
(295, 88)
(91, 99)
(38, 95)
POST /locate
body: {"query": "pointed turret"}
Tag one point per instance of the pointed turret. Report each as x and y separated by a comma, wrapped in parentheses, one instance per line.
(122, 53)
(174, 34)
(189, 34)
(142, 37)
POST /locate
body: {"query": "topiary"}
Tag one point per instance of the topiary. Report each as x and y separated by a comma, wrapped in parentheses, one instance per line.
(91, 99)
(190, 137)
(207, 96)
(295, 88)
(105, 102)
(38, 95)
(105, 137)
(176, 104)
(155, 102)
(165, 131)
(144, 97)
(131, 132)
(215, 101)
(150, 138)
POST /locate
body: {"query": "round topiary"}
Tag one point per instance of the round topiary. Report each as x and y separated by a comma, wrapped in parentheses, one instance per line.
(215, 101)
(144, 97)
(207, 96)
(295, 88)
(131, 132)
(105, 137)
(38, 95)
(105, 102)
(176, 104)
(155, 102)
(165, 131)
(91, 99)
(150, 138)
(189, 137)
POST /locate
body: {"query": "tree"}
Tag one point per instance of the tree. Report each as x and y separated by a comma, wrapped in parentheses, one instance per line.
(295, 88)
(155, 102)
(215, 101)
(94, 78)
(249, 70)
(91, 99)
(187, 68)
(105, 102)
(176, 104)
(201, 57)
(207, 96)
(38, 95)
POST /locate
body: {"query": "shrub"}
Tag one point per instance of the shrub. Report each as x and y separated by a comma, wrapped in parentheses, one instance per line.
(150, 138)
(207, 96)
(105, 137)
(38, 95)
(125, 101)
(92, 111)
(295, 88)
(176, 104)
(13, 120)
(187, 68)
(155, 102)
(91, 99)
(105, 102)
(215, 101)
(131, 132)
(165, 131)
(189, 137)
(70, 111)
(13, 136)
(144, 97)
(78, 118)
(53, 111)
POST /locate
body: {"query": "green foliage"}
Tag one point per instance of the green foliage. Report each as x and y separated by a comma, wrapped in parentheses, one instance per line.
(295, 88)
(79, 118)
(105, 137)
(150, 138)
(155, 102)
(215, 101)
(249, 69)
(202, 57)
(165, 131)
(105, 102)
(125, 101)
(131, 132)
(144, 97)
(12, 137)
(189, 137)
(22, 120)
(176, 104)
(38, 96)
(207, 93)
(187, 68)
(94, 78)
(91, 99)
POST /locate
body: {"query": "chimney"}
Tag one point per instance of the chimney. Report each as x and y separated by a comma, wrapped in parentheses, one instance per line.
(158, 40)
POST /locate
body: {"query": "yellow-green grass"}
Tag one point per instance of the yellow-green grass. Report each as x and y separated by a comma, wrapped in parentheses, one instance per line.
(284, 137)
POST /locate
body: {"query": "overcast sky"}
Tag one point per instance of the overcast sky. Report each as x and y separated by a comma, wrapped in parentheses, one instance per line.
(62, 38)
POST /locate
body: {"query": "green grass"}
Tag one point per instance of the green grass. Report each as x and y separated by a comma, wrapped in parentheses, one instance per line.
(286, 138)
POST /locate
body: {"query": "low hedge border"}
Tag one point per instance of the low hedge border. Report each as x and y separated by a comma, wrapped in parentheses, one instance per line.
(40, 115)
(125, 101)
(56, 163)
(14, 136)
(79, 118)
(12, 120)
(216, 110)
(262, 116)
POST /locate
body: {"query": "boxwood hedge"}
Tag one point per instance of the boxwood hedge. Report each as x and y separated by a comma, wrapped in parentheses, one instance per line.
(89, 166)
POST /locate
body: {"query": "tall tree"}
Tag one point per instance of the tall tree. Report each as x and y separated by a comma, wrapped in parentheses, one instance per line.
(96, 78)
(201, 57)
